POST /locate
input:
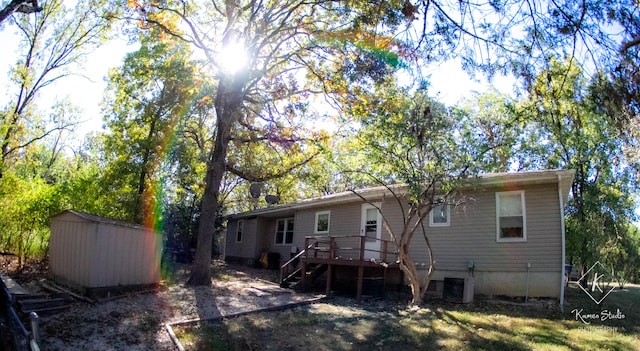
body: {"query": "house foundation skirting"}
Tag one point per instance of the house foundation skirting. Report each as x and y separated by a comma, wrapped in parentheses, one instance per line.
(514, 284)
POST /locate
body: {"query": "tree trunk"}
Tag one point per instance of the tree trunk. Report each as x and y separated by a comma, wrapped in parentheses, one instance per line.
(201, 271)
(418, 287)
(409, 268)
(228, 105)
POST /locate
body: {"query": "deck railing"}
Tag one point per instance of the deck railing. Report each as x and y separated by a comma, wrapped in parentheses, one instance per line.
(290, 266)
(351, 247)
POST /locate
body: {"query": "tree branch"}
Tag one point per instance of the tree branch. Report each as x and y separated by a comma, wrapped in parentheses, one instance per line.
(629, 44)
(47, 133)
(29, 6)
(247, 175)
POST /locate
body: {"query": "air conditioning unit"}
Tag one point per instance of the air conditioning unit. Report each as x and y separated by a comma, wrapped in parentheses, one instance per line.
(459, 290)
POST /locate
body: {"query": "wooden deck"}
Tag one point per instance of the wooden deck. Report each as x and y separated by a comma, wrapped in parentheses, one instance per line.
(327, 253)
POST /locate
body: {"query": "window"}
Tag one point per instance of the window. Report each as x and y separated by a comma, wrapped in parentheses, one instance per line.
(239, 230)
(439, 216)
(511, 216)
(284, 231)
(322, 222)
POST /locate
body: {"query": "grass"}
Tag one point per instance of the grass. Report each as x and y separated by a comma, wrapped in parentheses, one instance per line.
(344, 324)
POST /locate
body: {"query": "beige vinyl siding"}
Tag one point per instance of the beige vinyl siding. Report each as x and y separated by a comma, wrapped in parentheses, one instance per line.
(471, 234)
(89, 254)
(344, 220)
(500, 267)
(246, 248)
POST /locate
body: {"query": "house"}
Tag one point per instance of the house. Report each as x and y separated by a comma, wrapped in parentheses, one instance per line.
(100, 256)
(508, 234)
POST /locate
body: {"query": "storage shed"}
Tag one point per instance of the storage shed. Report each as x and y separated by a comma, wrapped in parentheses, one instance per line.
(100, 256)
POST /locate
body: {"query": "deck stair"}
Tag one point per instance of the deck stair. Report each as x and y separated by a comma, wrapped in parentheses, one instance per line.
(294, 280)
(331, 254)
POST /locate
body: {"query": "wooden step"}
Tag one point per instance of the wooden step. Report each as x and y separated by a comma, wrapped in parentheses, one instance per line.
(19, 298)
(45, 311)
(291, 283)
(34, 305)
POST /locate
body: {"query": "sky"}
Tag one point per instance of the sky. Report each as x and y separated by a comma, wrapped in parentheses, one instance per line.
(84, 89)
(448, 82)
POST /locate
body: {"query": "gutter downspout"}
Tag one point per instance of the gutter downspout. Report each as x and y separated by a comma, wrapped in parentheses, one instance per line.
(562, 270)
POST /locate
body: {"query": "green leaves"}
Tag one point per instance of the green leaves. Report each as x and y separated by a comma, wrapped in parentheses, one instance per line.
(151, 95)
(408, 138)
(563, 112)
(491, 130)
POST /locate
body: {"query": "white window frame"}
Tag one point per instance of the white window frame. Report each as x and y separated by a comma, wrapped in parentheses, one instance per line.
(284, 233)
(239, 230)
(524, 216)
(315, 227)
(445, 224)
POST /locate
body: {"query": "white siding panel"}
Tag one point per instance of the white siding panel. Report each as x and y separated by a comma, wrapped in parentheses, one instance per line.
(70, 252)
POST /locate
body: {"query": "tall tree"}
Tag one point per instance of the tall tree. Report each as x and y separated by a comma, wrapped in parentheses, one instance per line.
(520, 36)
(410, 139)
(489, 125)
(52, 40)
(274, 40)
(147, 101)
(563, 115)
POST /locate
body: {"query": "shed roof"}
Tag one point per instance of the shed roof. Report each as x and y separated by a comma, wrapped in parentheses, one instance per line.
(563, 177)
(103, 220)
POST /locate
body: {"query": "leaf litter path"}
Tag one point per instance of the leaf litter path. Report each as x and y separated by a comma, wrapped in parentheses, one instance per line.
(137, 321)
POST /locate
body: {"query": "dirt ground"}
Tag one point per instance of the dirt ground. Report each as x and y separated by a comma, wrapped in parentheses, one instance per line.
(137, 321)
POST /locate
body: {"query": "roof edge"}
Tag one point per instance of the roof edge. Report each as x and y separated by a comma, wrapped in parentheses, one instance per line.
(564, 177)
(104, 220)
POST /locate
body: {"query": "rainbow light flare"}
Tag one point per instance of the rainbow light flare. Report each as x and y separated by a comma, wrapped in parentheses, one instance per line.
(154, 195)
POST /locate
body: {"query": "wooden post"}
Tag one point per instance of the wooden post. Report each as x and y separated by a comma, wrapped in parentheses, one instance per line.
(315, 249)
(384, 280)
(360, 279)
(303, 271)
(384, 250)
(306, 247)
(361, 268)
(329, 278)
(331, 247)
